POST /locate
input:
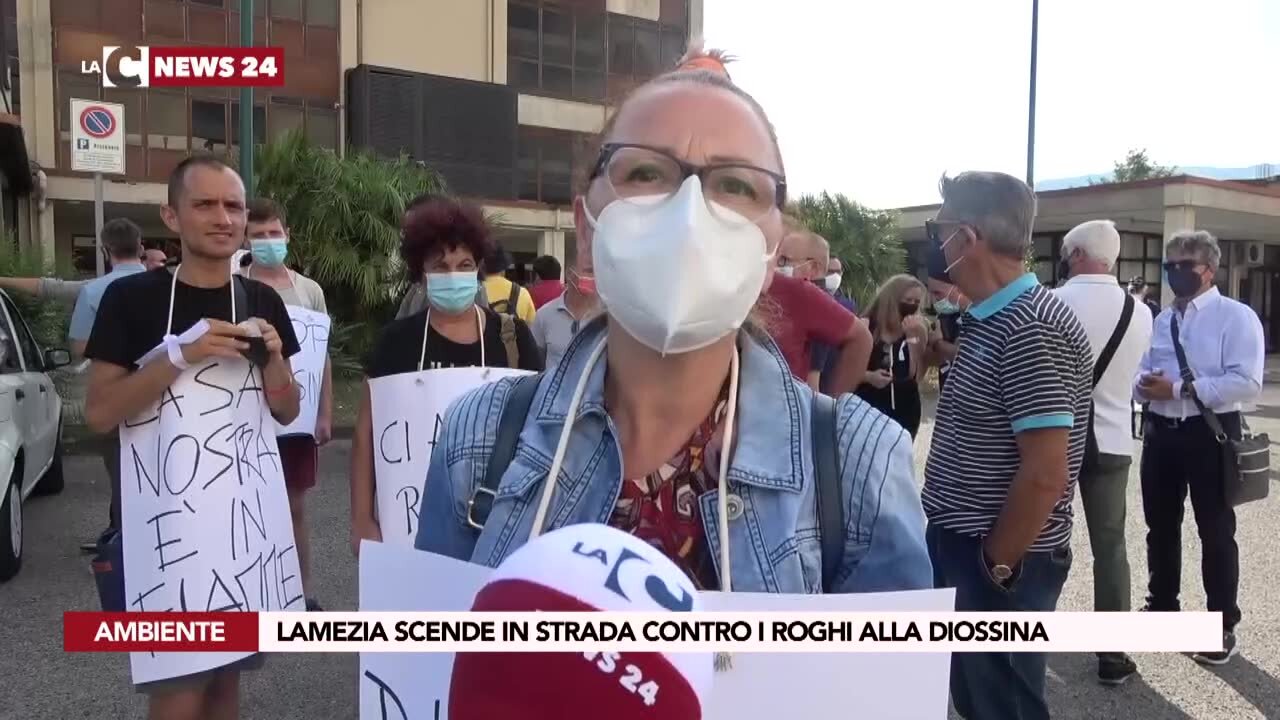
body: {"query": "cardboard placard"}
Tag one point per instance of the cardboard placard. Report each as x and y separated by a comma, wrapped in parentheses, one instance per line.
(818, 686)
(312, 329)
(408, 418)
(204, 511)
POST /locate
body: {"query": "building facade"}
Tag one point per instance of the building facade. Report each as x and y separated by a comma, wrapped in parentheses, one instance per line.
(1244, 215)
(498, 95)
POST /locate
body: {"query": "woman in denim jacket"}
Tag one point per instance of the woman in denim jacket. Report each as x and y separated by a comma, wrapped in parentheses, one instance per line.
(678, 224)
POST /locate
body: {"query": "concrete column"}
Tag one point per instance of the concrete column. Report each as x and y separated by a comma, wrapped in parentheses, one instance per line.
(551, 242)
(695, 18)
(39, 111)
(1176, 218)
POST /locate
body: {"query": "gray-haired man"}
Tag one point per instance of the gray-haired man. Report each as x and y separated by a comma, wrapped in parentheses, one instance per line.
(1223, 343)
(1009, 437)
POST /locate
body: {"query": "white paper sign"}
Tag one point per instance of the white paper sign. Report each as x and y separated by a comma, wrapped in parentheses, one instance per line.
(204, 510)
(818, 686)
(408, 417)
(312, 329)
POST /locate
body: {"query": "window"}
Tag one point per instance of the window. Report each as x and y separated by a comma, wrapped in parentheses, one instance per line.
(132, 101)
(322, 12)
(282, 119)
(286, 9)
(9, 362)
(208, 125)
(1045, 250)
(639, 49)
(166, 116)
(1140, 256)
(546, 161)
(621, 45)
(30, 350)
(566, 52)
(74, 85)
(210, 3)
(322, 126)
(259, 124)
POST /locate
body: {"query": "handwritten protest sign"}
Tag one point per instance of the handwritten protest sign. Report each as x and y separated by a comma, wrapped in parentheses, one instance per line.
(312, 329)
(818, 686)
(205, 516)
(408, 418)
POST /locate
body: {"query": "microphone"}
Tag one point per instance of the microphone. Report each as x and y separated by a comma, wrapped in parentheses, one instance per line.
(575, 569)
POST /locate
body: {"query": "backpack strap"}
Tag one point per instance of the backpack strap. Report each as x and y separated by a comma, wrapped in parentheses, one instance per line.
(827, 477)
(504, 448)
(508, 333)
(513, 302)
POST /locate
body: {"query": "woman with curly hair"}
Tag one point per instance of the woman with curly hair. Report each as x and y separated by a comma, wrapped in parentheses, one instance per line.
(444, 245)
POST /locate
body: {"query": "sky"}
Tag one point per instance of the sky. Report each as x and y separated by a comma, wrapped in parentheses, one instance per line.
(877, 98)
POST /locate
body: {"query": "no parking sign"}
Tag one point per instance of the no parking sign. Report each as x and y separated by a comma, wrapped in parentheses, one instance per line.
(97, 137)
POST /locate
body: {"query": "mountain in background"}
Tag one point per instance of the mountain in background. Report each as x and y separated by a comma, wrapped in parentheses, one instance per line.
(1215, 173)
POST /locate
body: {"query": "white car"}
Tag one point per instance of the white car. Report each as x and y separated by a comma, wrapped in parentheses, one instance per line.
(30, 428)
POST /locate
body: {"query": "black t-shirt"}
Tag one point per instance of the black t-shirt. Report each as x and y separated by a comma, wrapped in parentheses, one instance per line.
(400, 345)
(132, 316)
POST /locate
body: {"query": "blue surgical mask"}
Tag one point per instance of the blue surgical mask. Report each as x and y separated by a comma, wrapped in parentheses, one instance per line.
(946, 307)
(452, 292)
(269, 252)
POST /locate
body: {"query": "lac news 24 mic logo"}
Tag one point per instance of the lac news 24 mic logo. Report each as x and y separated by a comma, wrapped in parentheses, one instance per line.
(144, 66)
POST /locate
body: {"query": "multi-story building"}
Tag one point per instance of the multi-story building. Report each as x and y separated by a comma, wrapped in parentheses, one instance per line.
(498, 95)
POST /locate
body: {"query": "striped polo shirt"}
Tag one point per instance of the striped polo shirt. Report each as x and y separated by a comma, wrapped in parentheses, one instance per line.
(1024, 362)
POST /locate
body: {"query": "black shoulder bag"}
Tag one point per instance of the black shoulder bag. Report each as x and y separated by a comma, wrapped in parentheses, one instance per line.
(1246, 462)
(1104, 360)
(823, 428)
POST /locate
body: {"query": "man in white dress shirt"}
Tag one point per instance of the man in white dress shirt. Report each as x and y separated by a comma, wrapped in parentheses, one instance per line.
(1223, 342)
(1089, 254)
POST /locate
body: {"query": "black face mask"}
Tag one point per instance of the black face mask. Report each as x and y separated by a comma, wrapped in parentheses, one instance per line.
(938, 264)
(1064, 269)
(1184, 282)
(908, 309)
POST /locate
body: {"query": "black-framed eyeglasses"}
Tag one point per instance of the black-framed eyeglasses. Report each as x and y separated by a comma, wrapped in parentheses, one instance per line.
(933, 229)
(633, 170)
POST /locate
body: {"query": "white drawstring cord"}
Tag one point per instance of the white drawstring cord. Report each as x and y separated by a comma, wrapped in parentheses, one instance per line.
(726, 584)
(548, 488)
(173, 287)
(722, 493)
(426, 330)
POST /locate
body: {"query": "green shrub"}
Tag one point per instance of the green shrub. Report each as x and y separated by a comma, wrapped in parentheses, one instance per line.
(47, 319)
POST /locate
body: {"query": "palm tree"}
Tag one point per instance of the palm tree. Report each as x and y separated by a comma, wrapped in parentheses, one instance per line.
(344, 218)
(865, 241)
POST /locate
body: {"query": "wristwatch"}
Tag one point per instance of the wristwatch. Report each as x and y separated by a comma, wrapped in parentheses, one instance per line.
(1000, 573)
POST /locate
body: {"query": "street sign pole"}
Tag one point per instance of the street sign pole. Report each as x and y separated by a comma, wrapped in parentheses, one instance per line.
(97, 220)
(1031, 104)
(246, 104)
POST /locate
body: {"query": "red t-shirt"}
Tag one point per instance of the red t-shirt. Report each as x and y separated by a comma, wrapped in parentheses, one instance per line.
(808, 315)
(545, 291)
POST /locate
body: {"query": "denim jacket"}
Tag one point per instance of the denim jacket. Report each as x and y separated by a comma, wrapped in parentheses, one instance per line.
(773, 532)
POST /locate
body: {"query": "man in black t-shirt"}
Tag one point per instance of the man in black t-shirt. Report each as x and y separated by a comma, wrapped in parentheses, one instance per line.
(206, 208)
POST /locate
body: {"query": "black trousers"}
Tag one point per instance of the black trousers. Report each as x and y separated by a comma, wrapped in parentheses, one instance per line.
(1177, 456)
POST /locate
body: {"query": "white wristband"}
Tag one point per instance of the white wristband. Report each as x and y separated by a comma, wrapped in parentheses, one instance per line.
(175, 352)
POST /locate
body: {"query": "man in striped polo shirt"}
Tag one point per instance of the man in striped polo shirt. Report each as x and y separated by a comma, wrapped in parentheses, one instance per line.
(1009, 437)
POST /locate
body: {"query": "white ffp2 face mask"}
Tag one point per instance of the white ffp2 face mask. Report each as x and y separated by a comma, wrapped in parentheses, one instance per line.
(832, 282)
(674, 275)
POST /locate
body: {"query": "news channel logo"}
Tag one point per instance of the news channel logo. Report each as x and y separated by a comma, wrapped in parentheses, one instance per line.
(125, 66)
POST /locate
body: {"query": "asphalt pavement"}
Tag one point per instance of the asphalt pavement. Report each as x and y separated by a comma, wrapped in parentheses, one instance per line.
(39, 681)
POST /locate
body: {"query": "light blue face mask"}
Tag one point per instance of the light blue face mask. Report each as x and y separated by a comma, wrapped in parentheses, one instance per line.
(946, 307)
(269, 252)
(452, 292)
